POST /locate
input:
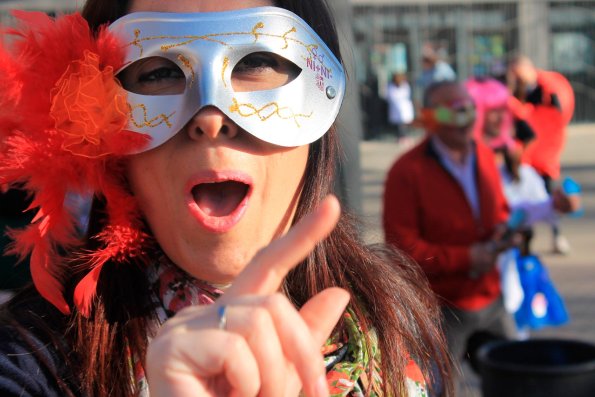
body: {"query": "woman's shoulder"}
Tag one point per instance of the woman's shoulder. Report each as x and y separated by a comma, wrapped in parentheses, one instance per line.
(32, 355)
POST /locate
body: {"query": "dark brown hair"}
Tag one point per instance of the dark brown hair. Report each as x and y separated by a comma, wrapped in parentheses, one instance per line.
(389, 293)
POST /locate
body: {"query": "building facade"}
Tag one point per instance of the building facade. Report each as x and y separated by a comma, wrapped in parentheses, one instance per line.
(476, 37)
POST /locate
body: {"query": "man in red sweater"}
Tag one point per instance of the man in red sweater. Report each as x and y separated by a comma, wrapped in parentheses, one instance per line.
(444, 206)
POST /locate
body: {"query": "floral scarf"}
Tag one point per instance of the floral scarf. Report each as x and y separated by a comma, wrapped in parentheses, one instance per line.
(345, 355)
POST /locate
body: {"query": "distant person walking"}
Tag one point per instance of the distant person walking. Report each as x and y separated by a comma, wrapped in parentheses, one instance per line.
(523, 187)
(434, 69)
(400, 105)
(545, 101)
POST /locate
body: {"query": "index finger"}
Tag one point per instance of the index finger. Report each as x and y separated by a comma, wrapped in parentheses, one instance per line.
(266, 271)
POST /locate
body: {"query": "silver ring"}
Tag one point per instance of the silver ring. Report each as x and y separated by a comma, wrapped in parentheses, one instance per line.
(222, 316)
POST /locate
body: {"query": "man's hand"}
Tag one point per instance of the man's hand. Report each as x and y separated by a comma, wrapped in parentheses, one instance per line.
(485, 254)
(483, 258)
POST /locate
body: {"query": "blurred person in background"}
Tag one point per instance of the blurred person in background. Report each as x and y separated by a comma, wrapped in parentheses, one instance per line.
(444, 206)
(434, 68)
(545, 101)
(400, 106)
(523, 187)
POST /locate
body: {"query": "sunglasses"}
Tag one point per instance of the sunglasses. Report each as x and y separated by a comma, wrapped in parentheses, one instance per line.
(456, 114)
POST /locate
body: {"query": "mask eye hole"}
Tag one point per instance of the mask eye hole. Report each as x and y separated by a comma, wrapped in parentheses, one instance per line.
(261, 71)
(153, 76)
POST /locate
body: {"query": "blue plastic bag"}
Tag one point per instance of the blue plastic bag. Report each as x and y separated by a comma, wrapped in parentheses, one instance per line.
(542, 304)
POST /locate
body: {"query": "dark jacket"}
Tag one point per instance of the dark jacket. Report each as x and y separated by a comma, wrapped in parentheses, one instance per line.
(33, 363)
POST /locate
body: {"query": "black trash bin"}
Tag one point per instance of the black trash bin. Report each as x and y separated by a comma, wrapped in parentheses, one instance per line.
(537, 368)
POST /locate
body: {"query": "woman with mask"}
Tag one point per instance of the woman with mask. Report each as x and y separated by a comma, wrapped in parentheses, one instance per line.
(215, 261)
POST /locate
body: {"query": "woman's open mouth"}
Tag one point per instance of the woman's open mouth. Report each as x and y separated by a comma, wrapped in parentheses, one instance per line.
(218, 200)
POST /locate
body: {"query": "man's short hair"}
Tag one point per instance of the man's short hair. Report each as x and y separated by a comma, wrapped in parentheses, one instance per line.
(517, 59)
(432, 88)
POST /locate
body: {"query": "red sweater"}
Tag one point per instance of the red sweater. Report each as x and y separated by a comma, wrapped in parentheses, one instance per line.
(426, 214)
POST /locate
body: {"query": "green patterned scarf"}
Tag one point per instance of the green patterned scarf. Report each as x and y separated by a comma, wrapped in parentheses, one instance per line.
(346, 354)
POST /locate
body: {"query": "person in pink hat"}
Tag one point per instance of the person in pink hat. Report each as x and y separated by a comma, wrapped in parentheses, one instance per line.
(523, 186)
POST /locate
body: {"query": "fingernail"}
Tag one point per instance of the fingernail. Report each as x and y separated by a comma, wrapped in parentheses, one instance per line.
(321, 387)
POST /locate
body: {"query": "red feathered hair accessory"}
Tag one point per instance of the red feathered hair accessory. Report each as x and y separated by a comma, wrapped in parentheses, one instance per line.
(62, 120)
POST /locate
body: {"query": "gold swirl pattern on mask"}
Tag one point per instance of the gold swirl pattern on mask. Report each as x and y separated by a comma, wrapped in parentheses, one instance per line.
(255, 29)
(136, 42)
(219, 38)
(267, 111)
(286, 40)
(152, 123)
(188, 65)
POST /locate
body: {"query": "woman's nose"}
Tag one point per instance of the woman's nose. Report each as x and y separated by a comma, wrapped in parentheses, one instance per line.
(211, 122)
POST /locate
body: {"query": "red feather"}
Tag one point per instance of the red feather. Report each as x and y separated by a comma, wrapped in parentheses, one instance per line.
(39, 19)
(51, 155)
(84, 292)
(42, 273)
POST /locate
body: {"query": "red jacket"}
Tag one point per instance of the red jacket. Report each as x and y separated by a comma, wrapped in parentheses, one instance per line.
(426, 214)
(548, 120)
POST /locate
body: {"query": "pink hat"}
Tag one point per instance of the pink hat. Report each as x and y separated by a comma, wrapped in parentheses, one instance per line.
(489, 94)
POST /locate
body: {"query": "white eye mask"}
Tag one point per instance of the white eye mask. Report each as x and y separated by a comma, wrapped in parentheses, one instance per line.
(208, 46)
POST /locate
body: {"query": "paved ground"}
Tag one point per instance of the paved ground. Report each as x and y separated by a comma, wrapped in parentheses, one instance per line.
(574, 274)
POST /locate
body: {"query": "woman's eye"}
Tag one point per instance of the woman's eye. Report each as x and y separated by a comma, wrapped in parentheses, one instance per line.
(161, 73)
(257, 62)
(262, 71)
(153, 76)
